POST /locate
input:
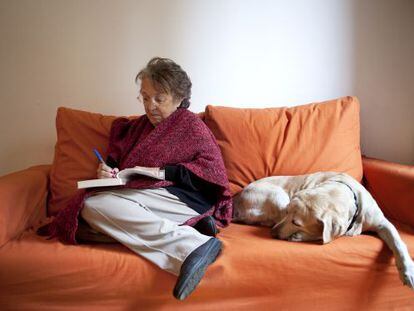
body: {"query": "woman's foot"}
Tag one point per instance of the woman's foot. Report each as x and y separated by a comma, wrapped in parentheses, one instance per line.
(194, 267)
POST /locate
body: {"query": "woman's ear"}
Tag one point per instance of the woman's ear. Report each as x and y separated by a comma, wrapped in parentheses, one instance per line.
(177, 102)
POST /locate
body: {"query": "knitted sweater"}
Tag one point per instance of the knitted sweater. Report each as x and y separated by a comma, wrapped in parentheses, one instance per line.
(181, 139)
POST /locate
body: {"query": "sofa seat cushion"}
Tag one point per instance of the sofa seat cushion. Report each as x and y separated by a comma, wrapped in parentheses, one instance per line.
(257, 143)
(253, 272)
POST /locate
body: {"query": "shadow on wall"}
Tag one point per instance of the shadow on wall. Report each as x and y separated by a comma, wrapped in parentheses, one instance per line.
(85, 55)
(384, 77)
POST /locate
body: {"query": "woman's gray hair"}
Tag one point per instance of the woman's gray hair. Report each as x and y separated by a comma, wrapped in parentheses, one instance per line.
(168, 76)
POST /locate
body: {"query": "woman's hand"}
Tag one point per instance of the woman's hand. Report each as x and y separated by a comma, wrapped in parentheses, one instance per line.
(104, 171)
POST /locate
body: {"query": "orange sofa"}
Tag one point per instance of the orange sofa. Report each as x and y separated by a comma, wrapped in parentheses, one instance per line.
(254, 271)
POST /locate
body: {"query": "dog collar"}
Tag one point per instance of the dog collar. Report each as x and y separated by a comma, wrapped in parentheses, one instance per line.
(358, 209)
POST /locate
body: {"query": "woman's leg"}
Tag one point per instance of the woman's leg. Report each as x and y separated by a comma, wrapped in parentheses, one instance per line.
(148, 222)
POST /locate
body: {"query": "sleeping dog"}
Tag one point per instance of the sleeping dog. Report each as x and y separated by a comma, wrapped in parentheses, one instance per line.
(319, 206)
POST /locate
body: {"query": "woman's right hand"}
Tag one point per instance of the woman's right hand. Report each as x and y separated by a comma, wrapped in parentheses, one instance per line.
(104, 171)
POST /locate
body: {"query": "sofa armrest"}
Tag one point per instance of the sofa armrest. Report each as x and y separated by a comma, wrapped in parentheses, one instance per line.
(392, 186)
(23, 196)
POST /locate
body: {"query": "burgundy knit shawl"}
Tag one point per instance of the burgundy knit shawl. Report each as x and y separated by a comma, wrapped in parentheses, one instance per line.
(182, 139)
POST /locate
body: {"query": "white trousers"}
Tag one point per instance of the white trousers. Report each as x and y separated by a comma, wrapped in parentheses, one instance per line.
(146, 221)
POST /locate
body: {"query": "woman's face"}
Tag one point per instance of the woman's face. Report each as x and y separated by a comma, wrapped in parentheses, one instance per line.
(158, 106)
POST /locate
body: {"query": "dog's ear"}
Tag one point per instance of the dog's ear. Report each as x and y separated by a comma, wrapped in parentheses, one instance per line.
(326, 230)
(331, 229)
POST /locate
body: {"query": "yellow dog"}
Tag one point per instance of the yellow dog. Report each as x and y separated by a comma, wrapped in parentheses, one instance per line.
(319, 206)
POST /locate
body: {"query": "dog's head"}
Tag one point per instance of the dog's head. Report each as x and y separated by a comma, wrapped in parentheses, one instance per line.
(314, 214)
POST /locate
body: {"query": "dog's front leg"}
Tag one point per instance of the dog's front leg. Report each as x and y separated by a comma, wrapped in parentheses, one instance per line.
(405, 265)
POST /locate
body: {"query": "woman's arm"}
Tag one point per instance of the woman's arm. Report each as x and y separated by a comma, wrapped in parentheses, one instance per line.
(111, 162)
(119, 131)
(187, 180)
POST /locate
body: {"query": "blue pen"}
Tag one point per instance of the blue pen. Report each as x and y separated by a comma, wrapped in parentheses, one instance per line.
(98, 155)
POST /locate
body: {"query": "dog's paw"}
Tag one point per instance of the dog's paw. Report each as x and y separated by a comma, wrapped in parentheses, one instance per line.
(407, 274)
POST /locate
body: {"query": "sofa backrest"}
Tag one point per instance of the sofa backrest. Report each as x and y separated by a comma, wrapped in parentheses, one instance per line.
(78, 132)
(254, 142)
(257, 143)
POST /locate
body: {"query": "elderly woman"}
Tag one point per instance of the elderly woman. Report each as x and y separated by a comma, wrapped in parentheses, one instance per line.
(170, 217)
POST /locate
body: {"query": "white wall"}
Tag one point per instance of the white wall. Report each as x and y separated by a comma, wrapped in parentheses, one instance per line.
(85, 54)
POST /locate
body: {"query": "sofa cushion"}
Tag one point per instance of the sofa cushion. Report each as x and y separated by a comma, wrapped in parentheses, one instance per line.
(253, 272)
(256, 143)
(78, 132)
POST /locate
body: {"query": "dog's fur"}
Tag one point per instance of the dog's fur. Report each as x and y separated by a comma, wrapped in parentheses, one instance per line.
(319, 206)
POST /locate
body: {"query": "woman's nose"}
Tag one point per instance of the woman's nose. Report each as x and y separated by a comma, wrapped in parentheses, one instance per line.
(153, 102)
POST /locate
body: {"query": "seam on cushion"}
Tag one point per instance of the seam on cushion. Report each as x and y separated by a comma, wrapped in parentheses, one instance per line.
(130, 235)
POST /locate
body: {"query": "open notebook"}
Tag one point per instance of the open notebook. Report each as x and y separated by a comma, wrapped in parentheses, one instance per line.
(121, 178)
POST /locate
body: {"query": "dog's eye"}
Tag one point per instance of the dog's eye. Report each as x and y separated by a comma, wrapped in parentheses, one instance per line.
(296, 223)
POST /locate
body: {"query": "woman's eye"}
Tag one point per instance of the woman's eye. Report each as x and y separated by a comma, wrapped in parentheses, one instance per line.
(159, 99)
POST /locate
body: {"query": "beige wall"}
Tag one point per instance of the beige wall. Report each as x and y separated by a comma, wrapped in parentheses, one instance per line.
(384, 77)
(85, 54)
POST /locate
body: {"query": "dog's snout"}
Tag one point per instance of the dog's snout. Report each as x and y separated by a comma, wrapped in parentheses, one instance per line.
(274, 232)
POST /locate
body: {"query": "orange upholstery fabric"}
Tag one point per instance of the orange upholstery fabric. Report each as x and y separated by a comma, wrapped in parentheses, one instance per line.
(78, 132)
(392, 186)
(22, 200)
(254, 272)
(256, 143)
